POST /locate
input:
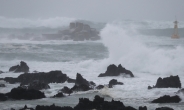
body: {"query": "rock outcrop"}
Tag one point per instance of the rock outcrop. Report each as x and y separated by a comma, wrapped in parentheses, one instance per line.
(20, 68)
(164, 108)
(1, 72)
(113, 70)
(167, 99)
(38, 85)
(114, 82)
(180, 91)
(27, 94)
(49, 77)
(81, 84)
(2, 85)
(77, 31)
(172, 82)
(60, 94)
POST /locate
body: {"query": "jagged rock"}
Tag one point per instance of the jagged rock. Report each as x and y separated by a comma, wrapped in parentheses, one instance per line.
(149, 87)
(164, 108)
(38, 85)
(27, 94)
(167, 99)
(81, 84)
(77, 31)
(3, 97)
(114, 82)
(113, 70)
(49, 77)
(60, 94)
(66, 90)
(20, 68)
(2, 85)
(172, 81)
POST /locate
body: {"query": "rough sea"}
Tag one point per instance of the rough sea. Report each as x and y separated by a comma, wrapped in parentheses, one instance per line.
(144, 47)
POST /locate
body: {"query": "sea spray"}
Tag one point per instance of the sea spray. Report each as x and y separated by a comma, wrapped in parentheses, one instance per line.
(127, 46)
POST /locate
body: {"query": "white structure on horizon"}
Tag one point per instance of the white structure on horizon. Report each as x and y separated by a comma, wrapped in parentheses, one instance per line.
(175, 33)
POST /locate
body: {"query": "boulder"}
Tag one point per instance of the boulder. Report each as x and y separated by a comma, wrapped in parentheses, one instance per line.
(27, 94)
(20, 68)
(143, 108)
(49, 77)
(172, 82)
(38, 85)
(167, 99)
(113, 70)
(26, 108)
(114, 82)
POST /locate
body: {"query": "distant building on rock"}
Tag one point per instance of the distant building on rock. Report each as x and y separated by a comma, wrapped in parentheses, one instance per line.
(175, 33)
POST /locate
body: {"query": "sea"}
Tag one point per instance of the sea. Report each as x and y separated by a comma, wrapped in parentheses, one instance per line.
(143, 47)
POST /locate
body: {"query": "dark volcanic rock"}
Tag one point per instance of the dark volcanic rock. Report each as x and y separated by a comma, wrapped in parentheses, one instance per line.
(27, 94)
(164, 108)
(114, 82)
(143, 108)
(2, 85)
(113, 70)
(70, 80)
(3, 97)
(38, 85)
(81, 84)
(99, 104)
(20, 68)
(50, 77)
(172, 81)
(60, 94)
(167, 99)
(66, 90)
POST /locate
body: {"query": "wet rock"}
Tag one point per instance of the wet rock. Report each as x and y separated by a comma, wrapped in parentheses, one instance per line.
(172, 82)
(82, 84)
(167, 99)
(113, 70)
(38, 85)
(66, 90)
(164, 108)
(114, 82)
(70, 80)
(49, 77)
(20, 68)
(60, 94)
(3, 97)
(27, 94)
(180, 91)
(100, 87)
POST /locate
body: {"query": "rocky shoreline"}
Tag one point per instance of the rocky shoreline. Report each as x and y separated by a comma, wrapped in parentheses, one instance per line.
(32, 83)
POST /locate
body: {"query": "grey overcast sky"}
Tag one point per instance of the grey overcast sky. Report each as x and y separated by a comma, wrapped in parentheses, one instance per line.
(95, 10)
